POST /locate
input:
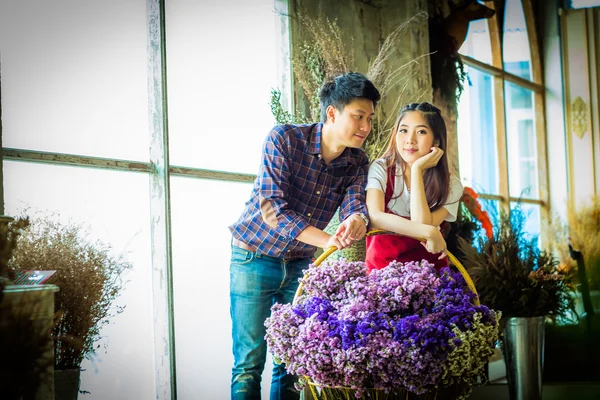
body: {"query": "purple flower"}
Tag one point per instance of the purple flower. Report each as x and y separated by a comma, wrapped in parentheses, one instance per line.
(397, 327)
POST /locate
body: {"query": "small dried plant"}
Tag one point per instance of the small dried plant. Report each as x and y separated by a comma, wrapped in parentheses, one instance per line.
(584, 236)
(9, 233)
(512, 275)
(325, 55)
(89, 278)
(558, 243)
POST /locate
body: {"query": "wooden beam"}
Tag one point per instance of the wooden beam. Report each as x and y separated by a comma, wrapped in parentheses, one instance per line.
(1, 154)
(499, 198)
(73, 160)
(567, 105)
(212, 175)
(495, 71)
(593, 33)
(540, 117)
(495, 29)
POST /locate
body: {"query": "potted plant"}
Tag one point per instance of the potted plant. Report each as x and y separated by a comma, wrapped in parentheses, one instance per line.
(513, 276)
(89, 278)
(573, 348)
(26, 314)
(584, 231)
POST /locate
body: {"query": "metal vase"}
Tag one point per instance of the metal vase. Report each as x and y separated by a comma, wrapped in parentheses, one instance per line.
(524, 357)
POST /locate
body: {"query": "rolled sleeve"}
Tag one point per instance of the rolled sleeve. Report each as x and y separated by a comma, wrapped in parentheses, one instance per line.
(274, 187)
(354, 201)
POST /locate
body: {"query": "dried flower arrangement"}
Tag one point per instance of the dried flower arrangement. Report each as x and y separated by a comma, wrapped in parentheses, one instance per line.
(514, 276)
(584, 236)
(10, 231)
(89, 278)
(400, 331)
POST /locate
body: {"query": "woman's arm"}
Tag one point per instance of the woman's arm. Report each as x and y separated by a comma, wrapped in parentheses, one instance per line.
(419, 208)
(394, 223)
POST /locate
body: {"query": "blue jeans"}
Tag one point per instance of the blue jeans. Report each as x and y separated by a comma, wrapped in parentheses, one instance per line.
(256, 283)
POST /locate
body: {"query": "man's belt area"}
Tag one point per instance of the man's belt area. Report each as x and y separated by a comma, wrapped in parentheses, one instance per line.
(242, 245)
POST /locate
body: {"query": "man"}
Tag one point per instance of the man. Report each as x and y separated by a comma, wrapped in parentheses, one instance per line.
(306, 173)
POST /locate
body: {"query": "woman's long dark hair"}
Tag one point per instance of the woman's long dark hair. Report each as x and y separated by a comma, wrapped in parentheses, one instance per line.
(437, 179)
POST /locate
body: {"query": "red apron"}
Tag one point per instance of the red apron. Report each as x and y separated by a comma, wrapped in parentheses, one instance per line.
(385, 248)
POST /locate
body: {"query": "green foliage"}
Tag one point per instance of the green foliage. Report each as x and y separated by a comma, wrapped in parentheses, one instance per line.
(281, 115)
(513, 276)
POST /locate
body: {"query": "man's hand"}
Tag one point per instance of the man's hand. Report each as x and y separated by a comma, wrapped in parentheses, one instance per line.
(352, 229)
(333, 241)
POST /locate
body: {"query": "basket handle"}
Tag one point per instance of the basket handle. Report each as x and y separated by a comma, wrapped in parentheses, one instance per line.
(450, 256)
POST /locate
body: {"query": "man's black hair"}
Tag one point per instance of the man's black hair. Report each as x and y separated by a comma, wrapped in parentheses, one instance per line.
(343, 89)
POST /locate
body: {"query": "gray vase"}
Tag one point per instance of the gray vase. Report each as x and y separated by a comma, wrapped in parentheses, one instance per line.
(66, 384)
(524, 356)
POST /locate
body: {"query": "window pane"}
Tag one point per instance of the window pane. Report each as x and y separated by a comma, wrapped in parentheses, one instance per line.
(515, 49)
(477, 43)
(201, 255)
(531, 213)
(476, 134)
(222, 65)
(74, 77)
(521, 142)
(115, 207)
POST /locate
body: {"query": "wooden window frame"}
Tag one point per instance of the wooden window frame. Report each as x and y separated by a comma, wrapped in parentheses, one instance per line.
(536, 85)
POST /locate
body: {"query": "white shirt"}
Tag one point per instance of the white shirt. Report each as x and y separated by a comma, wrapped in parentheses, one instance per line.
(400, 203)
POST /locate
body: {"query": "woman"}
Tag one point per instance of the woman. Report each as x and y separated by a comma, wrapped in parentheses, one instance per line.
(410, 191)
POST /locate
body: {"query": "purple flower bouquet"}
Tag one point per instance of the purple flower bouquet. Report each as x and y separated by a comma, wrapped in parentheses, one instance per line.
(405, 329)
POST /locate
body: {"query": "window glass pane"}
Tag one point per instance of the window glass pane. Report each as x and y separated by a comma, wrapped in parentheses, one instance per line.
(477, 43)
(74, 77)
(521, 142)
(531, 213)
(115, 207)
(201, 255)
(515, 48)
(477, 135)
(222, 64)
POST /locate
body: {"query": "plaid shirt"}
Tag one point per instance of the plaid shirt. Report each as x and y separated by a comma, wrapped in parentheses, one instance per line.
(295, 189)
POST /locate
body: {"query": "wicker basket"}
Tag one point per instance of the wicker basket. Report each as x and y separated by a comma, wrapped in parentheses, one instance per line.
(453, 260)
(320, 392)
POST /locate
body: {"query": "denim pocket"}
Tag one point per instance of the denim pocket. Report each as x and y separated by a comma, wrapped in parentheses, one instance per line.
(240, 256)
